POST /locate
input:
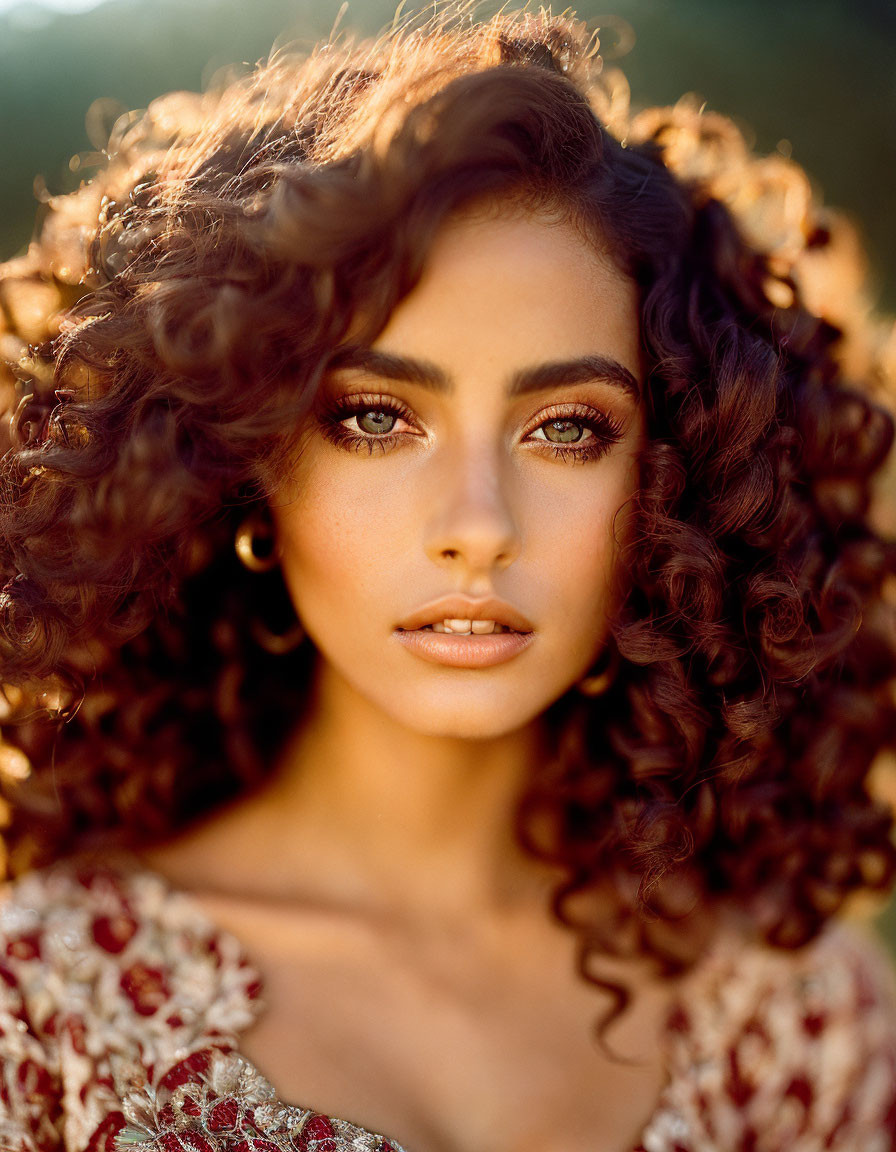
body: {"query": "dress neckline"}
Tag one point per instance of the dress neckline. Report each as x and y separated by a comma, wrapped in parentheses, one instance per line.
(359, 1138)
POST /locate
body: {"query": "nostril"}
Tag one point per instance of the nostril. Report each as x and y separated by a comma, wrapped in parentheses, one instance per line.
(449, 553)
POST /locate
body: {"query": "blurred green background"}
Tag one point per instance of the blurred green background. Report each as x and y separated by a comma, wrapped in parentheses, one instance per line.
(811, 78)
(817, 77)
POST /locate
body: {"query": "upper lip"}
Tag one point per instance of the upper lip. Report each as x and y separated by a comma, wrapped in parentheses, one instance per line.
(463, 608)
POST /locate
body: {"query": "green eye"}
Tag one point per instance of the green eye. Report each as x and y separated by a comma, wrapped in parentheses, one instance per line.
(376, 422)
(563, 431)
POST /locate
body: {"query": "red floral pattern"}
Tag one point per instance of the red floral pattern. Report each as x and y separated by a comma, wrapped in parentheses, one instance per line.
(121, 1009)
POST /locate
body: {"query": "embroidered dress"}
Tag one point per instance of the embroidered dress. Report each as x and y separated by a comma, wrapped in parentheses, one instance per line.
(121, 1009)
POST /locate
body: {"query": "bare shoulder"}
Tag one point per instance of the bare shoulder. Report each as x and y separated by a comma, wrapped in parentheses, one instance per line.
(775, 1048)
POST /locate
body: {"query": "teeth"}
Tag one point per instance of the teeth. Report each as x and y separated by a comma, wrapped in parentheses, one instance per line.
(467, 627)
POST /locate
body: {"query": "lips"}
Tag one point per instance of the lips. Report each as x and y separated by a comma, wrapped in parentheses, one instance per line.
(461, 608)
(465, 651)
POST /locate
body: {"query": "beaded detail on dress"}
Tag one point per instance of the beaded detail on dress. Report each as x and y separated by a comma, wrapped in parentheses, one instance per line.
(121, 1009)
(215, 1101)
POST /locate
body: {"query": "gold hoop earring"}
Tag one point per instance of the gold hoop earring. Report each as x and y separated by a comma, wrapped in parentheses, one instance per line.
(252, 529)
(596, 683)
(277, 643)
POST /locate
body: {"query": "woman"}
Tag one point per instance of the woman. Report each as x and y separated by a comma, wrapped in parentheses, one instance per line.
(442, 593)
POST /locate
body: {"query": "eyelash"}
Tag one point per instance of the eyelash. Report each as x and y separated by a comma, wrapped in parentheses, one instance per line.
(606, 430)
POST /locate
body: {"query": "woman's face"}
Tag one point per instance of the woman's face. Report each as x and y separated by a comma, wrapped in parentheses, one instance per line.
(482, 449)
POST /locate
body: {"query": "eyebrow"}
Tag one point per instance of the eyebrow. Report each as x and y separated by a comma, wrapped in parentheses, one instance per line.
(580, 370)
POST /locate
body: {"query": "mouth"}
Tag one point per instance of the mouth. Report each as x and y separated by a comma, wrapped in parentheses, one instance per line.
(463, 628)
(459, 632)
(465, 648)
(464, 616)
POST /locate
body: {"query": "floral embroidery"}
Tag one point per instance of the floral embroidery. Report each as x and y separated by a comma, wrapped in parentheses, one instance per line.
(121, 1009)
(220, 1103)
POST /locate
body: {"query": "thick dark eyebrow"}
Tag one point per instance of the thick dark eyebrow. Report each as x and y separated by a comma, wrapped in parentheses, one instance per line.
(552, 374)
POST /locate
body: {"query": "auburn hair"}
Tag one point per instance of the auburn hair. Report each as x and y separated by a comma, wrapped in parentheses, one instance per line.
(164, 337)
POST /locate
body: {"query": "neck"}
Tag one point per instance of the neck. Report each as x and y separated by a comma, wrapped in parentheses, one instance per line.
(367, 814)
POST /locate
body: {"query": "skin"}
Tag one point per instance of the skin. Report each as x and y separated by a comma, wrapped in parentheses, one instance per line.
(473, 498)
(377, 872)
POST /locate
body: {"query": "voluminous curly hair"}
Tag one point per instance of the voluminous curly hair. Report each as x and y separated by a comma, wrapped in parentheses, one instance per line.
(166, 334)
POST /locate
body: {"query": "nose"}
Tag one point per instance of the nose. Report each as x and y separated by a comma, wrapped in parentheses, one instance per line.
(471, 525)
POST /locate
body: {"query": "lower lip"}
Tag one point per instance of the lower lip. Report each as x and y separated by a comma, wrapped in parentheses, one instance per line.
(473, 651)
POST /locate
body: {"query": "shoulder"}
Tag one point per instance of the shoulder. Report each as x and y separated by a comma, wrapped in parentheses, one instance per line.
(67, 928)
(841, 978)
(773, 1048)
(35, 952)
(106, 974)
(85, 929)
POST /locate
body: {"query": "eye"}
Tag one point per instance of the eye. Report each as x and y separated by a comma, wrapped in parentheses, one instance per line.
(577, 433)
(375, 421)
(366, 422)
(563, 431)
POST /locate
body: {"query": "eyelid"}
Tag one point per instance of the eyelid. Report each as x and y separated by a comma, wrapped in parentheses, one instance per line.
(357, 399)
(354, 403)
(606, 429)
(571, 410)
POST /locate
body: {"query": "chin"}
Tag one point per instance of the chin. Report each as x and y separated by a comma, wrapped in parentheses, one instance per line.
(484, 729)
(487, 717)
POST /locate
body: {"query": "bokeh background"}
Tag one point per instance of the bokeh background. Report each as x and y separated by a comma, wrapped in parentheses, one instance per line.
(815, 79)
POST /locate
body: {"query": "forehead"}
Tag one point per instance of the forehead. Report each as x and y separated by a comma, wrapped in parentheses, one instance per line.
(547, 243)
(529, 215)
(506, 286)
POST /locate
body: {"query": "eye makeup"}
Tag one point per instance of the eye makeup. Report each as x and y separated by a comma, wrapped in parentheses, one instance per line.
(362, 422)
(603, 431)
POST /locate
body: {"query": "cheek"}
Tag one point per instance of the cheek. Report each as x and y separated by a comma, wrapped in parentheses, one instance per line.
(336, 539)
(580, 532)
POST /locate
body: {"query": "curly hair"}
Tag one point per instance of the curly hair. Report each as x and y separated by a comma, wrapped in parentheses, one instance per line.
(166, 334)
